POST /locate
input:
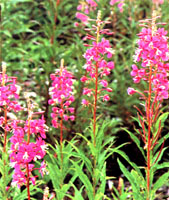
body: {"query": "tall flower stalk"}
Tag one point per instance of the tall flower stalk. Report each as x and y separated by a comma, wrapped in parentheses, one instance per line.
(8, 100)
(153, 53)
(24, 152)
(8, 104)
(96, 67)
(62, 97)
(28, 141)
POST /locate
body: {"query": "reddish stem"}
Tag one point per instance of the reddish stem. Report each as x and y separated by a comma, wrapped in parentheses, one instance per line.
(27, 181)
(5, 131)
(28, 140)
(61, 137)
(61, 126)
(95, 102)
(149, 134)
(95, 105)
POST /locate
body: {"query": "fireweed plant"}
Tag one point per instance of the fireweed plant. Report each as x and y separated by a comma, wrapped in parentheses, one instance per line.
(27, 146)
(61, 99)
(97, 68)
(95, 90)
(153, 54)
(8, 104)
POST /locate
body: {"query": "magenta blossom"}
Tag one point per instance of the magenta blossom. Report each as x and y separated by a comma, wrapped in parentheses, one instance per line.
(23, 152)
(95, 56)
(9, 93)
(62, 96)
(131, 91)
(85, 7)
(153, 53)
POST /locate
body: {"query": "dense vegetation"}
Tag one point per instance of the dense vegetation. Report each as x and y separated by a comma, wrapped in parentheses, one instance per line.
(73, 123)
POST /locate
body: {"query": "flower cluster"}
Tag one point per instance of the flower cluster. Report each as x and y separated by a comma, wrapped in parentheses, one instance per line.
(8, 94)
(152, 52)
(24, 153)
(62, 96)
(85, 7)
(120, 4)
(8, 101)
(97, 67)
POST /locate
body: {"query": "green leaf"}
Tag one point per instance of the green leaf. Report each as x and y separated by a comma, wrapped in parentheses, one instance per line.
(160, 182)
(20, 1)
(160, 156)
(84, 158)
(77, 193)
(162, 118)
(83, 177)
(160, 141)
(54, 173)
(162, 165)
(102, 185)
(136, 140)
(134, 184)
(139, 179)
(128, 160)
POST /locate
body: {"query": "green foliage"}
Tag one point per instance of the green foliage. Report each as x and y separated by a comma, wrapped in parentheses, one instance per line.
(34, 36)
(59, 167)
(96, 168)
(132, 177)
(135, 177)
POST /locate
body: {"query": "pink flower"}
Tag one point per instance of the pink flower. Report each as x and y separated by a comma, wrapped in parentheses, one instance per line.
(61, 94)
(109, 89)
(110, 65)
(112, 2)
(104, 83)
(86, 7)
(8, 93)
(22, 152)
(76, 24)
(134, 72)
(106, 97)
(85, 102)
(131, 91)
(120, 4)
(87, 91)
(92, 3)
(72, 117)
(71, 110)
(7, 188)
(65, 117)
(152, 51)
(82, 17)
(84, 79)
(96, 67)
(42, 169)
